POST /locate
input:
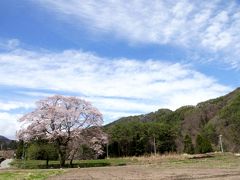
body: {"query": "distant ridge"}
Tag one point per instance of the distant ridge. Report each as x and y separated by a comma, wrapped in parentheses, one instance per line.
(4, 139)
(209, 118)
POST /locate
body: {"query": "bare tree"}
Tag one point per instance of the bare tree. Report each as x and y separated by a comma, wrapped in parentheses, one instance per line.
(61, 120)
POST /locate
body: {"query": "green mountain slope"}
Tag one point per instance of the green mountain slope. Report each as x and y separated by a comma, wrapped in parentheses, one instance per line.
(208, 119)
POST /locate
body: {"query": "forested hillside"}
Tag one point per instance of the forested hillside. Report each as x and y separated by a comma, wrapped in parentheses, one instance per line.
(6, 143)
(191, 129)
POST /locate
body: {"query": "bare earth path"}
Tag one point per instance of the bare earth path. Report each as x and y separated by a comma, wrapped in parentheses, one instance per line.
(149, 172)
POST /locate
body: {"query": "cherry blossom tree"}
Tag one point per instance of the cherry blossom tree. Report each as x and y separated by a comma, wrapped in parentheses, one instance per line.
(92, 137)
(62, 120)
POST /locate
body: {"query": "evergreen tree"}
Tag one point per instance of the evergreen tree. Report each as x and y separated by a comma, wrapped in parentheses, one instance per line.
(19, 151)
(203, 145)
(188, 146)
(42, 150)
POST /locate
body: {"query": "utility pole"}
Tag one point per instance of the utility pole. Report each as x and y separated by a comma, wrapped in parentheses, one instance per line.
(220, 142)
(154, 146)
(107, 150)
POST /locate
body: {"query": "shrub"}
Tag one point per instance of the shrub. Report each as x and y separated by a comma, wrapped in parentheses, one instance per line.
(188, 146)
(203, 145)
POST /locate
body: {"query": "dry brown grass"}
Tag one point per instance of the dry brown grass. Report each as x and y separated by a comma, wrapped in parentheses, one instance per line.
(152, 159)
(212, 166)
(7, 154)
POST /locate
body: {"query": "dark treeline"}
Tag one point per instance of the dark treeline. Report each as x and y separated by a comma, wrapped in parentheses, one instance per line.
(138, 138)
(141, 138)
(45, 150)
(8, 145)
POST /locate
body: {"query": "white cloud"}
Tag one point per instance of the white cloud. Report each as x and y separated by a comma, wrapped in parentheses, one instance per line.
(93, 76)
(211, 26)
(11, 105)
(118, 87)
(116, 115)
(37, 94)
(9, 124)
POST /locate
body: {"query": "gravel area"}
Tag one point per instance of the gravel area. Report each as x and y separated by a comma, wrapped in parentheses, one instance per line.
(6, 164)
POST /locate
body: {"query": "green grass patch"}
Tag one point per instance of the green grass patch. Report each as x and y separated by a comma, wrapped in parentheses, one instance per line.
(28, 174)
(34, 164)
(41, 164)
(110, 161)
(218, 160)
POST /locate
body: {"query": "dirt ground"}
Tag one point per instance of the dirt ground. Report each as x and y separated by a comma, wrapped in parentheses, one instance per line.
(149, 172)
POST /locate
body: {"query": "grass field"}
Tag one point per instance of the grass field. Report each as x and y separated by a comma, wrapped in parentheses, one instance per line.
(210, 166)
(28, 174)
(41, 164)
(34, 169)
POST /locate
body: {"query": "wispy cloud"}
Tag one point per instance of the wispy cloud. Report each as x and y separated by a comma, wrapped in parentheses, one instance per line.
(200, 26)
(118, 87)
(93, 76)
(9, 124)
(9, 44)
(12, 105)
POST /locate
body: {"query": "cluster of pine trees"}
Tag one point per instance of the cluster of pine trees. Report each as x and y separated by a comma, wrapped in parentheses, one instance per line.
(203, 145)
(135, 138)
(138, 138)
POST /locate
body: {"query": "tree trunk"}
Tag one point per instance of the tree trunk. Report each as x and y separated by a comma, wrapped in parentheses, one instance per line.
(47, 160)
(71, 162)
(62, 155)
(72, 157)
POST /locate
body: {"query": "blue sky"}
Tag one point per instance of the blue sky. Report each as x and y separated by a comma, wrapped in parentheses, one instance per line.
(126, 57)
